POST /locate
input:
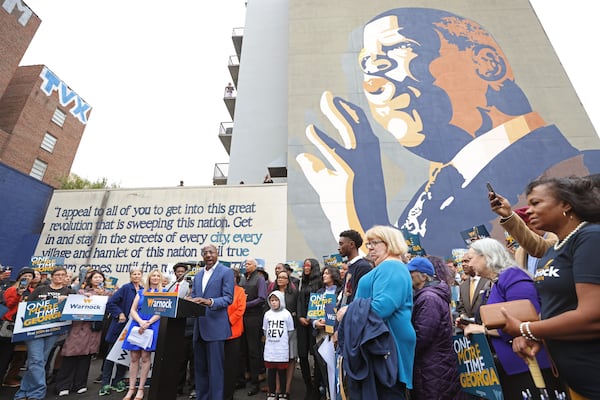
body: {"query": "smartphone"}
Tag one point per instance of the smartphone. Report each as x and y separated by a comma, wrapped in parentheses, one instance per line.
(466, 321)
(23, 284)
(490, 189)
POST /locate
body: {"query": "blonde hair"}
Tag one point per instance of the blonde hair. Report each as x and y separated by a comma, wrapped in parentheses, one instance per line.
(392, 237)
(160, 283)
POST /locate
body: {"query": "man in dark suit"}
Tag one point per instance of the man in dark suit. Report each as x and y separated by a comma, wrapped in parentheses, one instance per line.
(213, 288)
(471, 291)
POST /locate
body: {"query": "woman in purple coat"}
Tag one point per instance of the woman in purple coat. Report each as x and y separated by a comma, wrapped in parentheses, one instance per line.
(435, 372)
(491, 260)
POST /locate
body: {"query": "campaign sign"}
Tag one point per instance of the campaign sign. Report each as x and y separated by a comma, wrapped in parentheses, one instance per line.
(39, 318)
(333, 260)
(317, 305)
(330, 311)
(475, 233)
(119, 355)
(46, 264)
(84, 308)
(413, 242)
(477, 372)
(111, 283)
(163, 304)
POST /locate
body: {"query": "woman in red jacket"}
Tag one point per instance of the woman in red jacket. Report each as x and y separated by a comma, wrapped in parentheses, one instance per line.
(12, 296)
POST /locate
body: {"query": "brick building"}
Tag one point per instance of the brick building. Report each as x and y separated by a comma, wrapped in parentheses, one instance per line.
(42, 120)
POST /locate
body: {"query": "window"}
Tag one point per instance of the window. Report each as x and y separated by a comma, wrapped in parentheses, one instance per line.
(59, 117)
(39, 169)
(48, 143)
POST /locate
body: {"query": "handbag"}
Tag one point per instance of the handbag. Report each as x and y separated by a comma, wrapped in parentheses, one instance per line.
(6, 328)
(492, 317)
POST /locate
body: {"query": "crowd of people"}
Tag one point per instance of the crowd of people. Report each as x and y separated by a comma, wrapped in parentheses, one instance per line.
(395, 315)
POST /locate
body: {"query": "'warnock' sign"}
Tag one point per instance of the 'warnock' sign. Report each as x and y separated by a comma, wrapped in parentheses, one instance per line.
(164, 304)
(84, 308)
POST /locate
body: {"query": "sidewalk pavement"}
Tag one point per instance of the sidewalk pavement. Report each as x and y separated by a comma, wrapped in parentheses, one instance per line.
(93, 388)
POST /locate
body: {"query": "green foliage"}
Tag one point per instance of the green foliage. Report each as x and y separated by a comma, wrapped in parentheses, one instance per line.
(74, 181)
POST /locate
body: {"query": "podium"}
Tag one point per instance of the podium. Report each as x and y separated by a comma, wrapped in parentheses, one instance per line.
(170, 347)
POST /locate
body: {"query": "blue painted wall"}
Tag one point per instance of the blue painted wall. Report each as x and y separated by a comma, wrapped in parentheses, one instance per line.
(23, 204)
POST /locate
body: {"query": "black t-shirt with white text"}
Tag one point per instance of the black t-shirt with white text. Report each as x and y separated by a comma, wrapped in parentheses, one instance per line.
(49, 292)
(578, 261)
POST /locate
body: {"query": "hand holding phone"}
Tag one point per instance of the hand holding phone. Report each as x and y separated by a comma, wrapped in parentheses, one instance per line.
(491, 190)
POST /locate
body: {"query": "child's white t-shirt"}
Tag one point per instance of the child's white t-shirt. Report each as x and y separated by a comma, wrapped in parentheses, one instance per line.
(276, 326)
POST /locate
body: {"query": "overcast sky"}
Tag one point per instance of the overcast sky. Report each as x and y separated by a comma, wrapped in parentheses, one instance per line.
(154, 73)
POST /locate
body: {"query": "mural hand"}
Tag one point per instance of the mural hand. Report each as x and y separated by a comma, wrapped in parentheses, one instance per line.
(352, 190)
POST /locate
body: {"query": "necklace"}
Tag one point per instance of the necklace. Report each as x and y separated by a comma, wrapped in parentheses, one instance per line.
(560, 244)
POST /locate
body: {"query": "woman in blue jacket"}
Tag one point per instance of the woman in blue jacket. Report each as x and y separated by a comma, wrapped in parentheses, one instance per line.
(118, 306)
(389, 286)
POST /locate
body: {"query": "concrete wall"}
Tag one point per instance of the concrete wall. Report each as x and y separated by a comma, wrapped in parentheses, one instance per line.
(260, 121)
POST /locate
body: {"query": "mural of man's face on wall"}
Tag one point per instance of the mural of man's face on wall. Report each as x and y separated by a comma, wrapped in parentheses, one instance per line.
(442, 87)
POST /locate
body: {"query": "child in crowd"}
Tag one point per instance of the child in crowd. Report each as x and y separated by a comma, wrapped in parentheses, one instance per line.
(277, 323)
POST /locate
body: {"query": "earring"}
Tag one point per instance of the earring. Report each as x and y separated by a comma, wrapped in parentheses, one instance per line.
(564, 213)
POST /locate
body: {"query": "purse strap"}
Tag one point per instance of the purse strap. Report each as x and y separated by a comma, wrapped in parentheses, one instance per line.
(552, 364)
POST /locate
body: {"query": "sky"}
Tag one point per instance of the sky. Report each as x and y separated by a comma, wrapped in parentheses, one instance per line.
(155, 72)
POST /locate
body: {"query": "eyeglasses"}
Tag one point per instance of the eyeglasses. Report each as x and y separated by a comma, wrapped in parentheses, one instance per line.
(282, 277)
(373, 243)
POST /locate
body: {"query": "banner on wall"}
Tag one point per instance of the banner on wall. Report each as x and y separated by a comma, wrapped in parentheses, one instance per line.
(119, 229)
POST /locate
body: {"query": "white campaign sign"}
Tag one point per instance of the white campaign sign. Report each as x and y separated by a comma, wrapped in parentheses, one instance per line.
(119, 355)
(84, 308)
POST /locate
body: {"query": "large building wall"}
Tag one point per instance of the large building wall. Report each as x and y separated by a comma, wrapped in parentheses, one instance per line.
(27, 108)
(18, 24)
(492, 106)
(23, 203)
(260, 128)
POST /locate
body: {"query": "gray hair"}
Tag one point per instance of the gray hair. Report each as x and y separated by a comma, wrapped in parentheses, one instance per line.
(496, 255)
(133, 269)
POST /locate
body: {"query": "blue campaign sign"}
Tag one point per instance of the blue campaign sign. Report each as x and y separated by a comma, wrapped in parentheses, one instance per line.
(321, 305)
(477, 372)
(39, 318)
(330, 311)
(163, 304)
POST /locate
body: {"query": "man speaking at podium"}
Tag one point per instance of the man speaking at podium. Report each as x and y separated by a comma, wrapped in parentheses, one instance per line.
(213, 288)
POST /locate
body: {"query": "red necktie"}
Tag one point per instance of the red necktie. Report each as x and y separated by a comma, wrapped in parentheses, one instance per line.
(177, 287)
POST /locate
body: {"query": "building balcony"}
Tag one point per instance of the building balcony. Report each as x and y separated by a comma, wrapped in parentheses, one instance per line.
(225, 134)
(229, 95)
(220, 173)
(237, 36)
(234, 68)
